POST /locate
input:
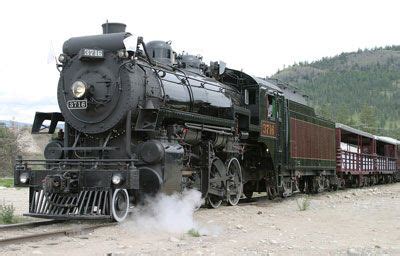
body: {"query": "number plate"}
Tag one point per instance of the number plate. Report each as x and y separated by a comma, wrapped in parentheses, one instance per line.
(91, 54)
(77, 104)
(268, 129)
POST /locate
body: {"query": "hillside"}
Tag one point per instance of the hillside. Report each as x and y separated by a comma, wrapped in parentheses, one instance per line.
(360, 88)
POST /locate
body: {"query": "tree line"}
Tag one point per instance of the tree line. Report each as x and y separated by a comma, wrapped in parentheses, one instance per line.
(360, 89)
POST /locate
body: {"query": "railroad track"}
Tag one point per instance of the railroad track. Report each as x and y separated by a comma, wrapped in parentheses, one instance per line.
(43, 234)
(31, 224)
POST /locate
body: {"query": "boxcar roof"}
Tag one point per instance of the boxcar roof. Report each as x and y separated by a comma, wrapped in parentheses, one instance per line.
(354, 130)
(387, 140)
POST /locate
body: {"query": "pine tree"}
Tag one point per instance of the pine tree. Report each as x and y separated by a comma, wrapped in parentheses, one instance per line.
(368, 119)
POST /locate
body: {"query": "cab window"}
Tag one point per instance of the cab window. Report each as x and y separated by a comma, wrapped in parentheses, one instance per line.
(252, 97)
(270, 104)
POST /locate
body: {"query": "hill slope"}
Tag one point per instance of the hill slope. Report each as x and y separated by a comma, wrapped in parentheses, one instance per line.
(360, 88)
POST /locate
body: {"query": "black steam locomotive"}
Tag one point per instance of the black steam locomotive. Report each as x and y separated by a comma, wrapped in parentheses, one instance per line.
(141, 119)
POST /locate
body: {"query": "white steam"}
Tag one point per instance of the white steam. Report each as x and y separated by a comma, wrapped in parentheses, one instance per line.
(168, 213)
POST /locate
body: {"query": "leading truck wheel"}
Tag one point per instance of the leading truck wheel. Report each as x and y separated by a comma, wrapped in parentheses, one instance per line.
(120, 205)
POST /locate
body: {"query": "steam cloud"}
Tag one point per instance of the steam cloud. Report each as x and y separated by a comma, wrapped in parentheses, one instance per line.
(168, 213)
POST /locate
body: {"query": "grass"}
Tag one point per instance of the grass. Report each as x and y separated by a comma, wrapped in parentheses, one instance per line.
(15, 220)
(193, 232)
(6, 182)
(303, 203)
(7, 215)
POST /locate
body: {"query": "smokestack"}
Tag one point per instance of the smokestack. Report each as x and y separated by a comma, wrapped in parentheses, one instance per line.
(113, 27)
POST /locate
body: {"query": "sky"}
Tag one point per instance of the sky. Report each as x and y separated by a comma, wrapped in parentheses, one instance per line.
(259, 37)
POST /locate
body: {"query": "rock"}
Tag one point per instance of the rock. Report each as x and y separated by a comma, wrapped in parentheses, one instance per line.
(13, 248)
(181, 244)
(272, 241)
(36, 252)
(239, 226)
(353, 252)
(262, 241)
(259, 212)
(233, 241)
(173, 239)
(346, 196)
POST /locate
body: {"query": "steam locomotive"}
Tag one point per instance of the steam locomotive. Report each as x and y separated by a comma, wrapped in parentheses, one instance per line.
(140, 119)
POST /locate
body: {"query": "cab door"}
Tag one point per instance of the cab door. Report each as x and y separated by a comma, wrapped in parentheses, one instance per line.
(272, 125)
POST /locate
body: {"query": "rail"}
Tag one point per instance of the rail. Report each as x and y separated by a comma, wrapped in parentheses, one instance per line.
(51, 234)
(32, 224)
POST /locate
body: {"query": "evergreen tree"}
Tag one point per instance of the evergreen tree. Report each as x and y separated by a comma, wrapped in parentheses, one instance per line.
(350, 84)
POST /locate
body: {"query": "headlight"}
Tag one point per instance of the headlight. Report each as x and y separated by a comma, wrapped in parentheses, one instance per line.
(78, 89)
(62, 58)
(24, 177)
(116, 179)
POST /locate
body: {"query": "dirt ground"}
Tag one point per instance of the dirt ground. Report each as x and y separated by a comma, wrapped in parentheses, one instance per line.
(352, 222)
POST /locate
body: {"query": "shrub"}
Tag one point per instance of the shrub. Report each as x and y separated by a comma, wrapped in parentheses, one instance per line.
(193, 232)
(7, 213)
(303, 203)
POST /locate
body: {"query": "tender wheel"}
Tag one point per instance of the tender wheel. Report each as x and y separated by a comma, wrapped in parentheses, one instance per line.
(287, 187)
(120, 205)
(248, 190)
(234, 181)
(317, 184)
(272, 193)
(327, 184)
(248, 194)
